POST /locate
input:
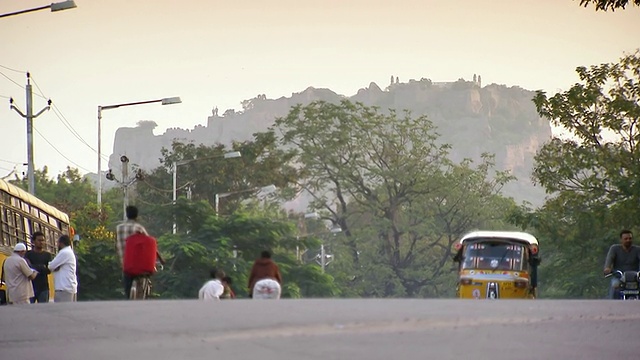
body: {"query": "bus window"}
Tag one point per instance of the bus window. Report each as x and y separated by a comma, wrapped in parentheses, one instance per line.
(54, 241)
(48, 236)
(27, 229)
(19, 228)
(44, 217)
(4, 229)
(53, 221)
(10, 227)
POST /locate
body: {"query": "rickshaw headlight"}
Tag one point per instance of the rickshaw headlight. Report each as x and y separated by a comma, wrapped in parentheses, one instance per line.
(465, 281)
(521, 284)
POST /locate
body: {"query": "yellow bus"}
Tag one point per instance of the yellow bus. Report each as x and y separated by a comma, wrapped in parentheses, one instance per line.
(22, 214)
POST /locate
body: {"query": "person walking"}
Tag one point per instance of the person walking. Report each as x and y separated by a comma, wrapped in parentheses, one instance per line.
(265, 279)
(63, 267)
(18, 276)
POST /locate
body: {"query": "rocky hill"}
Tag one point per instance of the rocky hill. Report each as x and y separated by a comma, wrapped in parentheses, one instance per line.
(473, 119)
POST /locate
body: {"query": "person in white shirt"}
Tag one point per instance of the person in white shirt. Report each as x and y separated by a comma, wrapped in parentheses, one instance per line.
(212, 289)
(63, 267)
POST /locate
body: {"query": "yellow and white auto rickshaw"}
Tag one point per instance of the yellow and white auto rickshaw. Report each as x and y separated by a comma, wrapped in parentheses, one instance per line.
(497, 265)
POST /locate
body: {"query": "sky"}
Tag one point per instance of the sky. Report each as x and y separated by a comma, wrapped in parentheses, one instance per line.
(215, 53)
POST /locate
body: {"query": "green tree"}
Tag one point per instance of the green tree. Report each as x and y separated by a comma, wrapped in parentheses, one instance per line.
(591, 174)
(261, 163)
(99, 272)
(232, 243)
(68, 191)
(385, 180)
(606, 5)
(600, 162)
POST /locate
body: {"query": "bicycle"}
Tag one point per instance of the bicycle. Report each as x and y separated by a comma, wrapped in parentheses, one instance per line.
(141, 285)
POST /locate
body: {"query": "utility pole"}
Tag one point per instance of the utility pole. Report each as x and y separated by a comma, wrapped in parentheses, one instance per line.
(125, 185)
(29, 116)
(325, 259)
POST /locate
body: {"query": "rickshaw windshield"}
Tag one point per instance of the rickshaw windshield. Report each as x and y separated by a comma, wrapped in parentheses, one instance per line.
(494, 255)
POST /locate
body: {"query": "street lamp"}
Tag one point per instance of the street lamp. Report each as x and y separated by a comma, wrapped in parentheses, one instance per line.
(312, 215)
(125, 183)
(64, 5)
(164, 101)
(229, 155)
(323, 259)
(265, 190)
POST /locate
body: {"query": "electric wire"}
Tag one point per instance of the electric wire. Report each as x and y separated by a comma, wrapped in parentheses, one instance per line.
(59, 152)
(11, 162)
(13, 81)
(63, 119)
(8, 68)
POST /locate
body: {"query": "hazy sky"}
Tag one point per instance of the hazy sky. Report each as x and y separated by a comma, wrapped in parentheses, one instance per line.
(218, 53)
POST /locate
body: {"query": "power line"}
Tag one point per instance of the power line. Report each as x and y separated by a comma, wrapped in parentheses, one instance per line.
(8, 68)
(153, 187)
(5, 97)
(139, 199)
(11, 162)
(59, 152)
(19, 85)
(13, 81)
(63, 119)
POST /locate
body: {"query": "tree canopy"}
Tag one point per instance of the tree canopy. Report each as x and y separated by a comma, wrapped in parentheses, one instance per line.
(388, 183)
(606, 5)
(591, 176)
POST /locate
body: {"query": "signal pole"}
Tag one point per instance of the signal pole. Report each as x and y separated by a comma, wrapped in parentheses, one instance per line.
(29, 116)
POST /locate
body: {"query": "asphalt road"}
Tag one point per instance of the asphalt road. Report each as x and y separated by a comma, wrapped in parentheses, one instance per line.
(322, 329)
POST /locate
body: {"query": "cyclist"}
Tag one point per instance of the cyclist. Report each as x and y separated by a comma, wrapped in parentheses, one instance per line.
(124, 230)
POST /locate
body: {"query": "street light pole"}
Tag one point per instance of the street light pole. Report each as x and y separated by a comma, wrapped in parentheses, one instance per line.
(99, 158)
(265, 189)
(125, 179)
(29, 117)
(164, 101)
(229, 155)
(322, 257)
(175, 181)
(54, 7)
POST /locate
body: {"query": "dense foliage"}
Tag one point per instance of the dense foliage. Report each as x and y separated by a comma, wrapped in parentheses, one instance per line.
(386, 202)
(591, 174)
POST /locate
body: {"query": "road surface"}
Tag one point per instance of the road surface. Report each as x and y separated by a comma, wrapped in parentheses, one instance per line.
(322, 329)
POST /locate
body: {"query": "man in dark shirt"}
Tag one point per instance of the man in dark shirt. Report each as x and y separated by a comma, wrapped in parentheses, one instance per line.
(623, 257)
(39, 259)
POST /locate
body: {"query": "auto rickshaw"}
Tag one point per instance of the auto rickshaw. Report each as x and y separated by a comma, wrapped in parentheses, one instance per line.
(497, 265)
